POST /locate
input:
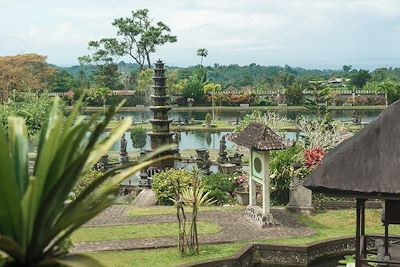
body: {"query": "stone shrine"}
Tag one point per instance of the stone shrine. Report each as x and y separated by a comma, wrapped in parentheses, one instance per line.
(259, 139)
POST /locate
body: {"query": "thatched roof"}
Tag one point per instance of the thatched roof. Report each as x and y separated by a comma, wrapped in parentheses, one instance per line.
(259, 136)
(368, 164)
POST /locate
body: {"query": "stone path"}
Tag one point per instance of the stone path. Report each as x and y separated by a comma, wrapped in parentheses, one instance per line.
(146, 198)
(235, 227)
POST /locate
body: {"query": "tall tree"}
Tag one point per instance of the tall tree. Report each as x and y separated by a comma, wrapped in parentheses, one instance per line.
(23, 73)
(145, 82)
(175, 85)
(202, 53)
(62, 81)
(346, 68)
(317, 102)
(212, 88)
(360, 78)
(294, 93)
(137, 37)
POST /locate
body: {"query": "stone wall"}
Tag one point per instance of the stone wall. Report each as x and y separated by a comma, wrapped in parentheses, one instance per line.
(280, 254)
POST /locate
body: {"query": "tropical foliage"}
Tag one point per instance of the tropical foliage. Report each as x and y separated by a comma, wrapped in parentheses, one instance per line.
(35, 219)
(281, 172)
(33, 109)
(220, 187)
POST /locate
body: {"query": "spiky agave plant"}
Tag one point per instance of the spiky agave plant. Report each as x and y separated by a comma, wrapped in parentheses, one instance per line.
(34, 217)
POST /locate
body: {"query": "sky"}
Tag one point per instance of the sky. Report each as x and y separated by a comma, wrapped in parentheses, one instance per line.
(305, 33)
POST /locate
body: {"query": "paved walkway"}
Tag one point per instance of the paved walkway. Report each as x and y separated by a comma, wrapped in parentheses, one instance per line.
(235, 227)
(146, 198)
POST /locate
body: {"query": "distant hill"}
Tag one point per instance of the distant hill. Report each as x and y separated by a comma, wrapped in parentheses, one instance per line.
(88, 69)
(227, 74)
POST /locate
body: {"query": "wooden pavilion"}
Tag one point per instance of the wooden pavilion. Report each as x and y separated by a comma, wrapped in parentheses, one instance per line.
(367, 166)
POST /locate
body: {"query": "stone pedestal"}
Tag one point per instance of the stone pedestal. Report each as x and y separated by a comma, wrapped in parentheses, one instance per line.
(242, 198)
(228, 168)
(300, 198)
(144, 180)
(256, 215)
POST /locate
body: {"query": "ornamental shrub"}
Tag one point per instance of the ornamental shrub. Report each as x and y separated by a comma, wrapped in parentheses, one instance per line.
(220, 187)
(138, 136)
(165, 183)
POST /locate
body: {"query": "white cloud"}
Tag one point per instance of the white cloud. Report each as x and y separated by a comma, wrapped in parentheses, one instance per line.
(260, 31)
(59, 35)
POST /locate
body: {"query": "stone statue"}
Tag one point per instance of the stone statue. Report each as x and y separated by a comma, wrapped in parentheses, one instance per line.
(124, 143)
(123, 153)
(222, 158)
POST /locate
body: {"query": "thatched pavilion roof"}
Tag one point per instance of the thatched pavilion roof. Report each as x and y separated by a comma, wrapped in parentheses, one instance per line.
(259, 136)
(368, 164)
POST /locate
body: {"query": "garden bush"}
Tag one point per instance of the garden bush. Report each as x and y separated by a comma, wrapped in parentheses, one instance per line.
(220, 187)
(83, 182)
(281, 172)
(33, 109)
(164, 184)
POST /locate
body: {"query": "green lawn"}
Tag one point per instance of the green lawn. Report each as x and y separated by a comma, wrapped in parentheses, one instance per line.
(163, 257)
(104, 233)
(160, 210)
(327, 224)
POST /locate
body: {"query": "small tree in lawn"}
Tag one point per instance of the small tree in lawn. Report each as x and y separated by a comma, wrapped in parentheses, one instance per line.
(138, 136)
(208, 119)
(194, 197)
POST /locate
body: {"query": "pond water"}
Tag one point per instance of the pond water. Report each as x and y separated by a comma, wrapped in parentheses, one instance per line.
(192, 140)
(210, 140)
(342, 115)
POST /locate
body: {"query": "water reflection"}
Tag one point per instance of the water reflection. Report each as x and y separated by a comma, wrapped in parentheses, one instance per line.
(193, 140)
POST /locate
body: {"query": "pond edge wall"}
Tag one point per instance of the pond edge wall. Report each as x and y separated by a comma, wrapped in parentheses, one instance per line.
(282, 254)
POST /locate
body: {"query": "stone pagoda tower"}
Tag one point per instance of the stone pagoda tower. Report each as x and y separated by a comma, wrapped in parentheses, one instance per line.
(161, 134)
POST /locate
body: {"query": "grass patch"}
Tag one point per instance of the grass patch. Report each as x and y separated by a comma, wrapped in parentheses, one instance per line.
(163, 257)
(163, 210)
(336, 223)
(123, 232)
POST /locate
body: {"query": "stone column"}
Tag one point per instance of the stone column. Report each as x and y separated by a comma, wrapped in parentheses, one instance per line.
(265, 186)
(252, 185)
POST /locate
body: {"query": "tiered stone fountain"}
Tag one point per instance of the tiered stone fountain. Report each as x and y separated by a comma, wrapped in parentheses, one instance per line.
(161, 134)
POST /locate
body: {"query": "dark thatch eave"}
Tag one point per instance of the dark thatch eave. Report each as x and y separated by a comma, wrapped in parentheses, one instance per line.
(259, 136)
(366, 165)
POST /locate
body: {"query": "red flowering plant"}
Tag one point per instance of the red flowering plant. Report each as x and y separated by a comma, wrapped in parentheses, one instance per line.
(313, 156)
(242, 182)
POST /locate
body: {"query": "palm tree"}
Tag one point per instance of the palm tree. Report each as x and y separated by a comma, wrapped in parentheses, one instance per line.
(36, 218)
(202, 52)
(103, 93)
(212, 88)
